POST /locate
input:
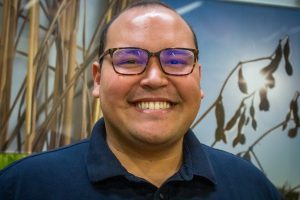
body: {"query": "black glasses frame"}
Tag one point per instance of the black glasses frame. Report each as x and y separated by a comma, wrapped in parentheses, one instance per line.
(150, 54)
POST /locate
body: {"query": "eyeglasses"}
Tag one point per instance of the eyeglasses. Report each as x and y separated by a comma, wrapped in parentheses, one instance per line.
(133, 61)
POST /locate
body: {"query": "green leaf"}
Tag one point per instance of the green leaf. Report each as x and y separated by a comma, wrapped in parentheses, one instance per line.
(242, 83)
(8, 158)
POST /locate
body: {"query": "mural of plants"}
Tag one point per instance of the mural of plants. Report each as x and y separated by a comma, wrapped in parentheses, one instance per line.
(47, 41)
(241, 117)
(245, 114)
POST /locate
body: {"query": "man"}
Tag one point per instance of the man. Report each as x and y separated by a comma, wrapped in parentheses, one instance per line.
(148, 81)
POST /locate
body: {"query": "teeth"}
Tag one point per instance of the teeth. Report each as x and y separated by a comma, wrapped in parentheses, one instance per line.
(153, 105)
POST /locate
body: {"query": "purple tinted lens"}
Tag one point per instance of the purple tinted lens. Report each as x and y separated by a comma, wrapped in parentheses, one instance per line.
(130, 60)
(177, 61)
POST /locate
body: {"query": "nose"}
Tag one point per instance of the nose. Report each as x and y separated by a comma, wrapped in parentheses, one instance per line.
(154, 77)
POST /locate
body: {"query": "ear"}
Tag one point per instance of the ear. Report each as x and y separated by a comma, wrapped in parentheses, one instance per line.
(201, 93)
(96, 77)
(200, 75)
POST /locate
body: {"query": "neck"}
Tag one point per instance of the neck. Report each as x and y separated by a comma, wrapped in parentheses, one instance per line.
(155, 166)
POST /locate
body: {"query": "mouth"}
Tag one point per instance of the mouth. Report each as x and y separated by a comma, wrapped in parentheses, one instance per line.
(153, 105)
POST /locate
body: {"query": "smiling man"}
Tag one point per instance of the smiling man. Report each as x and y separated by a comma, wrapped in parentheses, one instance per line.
(148, 99)
(148, 81)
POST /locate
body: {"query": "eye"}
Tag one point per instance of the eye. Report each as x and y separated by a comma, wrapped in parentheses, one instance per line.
(131, 61)
(173, 62)
(176, 58)
(128, 61)
(129, 58)
(176, 62)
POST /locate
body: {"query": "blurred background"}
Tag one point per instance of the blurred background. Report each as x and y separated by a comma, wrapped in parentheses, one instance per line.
(249, 51)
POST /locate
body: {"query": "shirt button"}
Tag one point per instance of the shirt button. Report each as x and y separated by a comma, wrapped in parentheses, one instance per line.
(161, 196)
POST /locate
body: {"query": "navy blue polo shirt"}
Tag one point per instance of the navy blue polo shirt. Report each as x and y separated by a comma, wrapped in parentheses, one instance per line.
(89, 170)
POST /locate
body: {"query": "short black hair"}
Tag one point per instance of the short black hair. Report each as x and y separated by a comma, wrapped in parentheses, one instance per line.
(140, 3)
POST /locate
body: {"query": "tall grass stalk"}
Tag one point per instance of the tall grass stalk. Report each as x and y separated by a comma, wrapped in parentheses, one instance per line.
(40, 115)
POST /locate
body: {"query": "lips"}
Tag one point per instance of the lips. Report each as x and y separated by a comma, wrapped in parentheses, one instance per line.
(153, 105)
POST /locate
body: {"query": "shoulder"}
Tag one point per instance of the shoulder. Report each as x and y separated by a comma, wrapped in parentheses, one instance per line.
(55, 159)
(222, 160)
(234, 172)
(218, 155)
(222, 163)
(41, 173)
(52, 155)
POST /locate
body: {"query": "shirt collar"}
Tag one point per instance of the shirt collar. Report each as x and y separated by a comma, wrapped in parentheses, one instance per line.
(196, 160)
(102, 163)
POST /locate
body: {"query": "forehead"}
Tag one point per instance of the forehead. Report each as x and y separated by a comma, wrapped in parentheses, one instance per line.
(154, 23)
(144, 13)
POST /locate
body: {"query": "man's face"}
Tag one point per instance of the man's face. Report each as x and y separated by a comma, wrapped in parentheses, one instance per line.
(121, 96)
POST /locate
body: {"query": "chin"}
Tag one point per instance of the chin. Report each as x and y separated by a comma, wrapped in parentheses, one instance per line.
(153, 137)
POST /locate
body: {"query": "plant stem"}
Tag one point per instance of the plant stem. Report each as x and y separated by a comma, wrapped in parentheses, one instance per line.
(205, 113)
(264, 135)
(257, 160)
(225, 83)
